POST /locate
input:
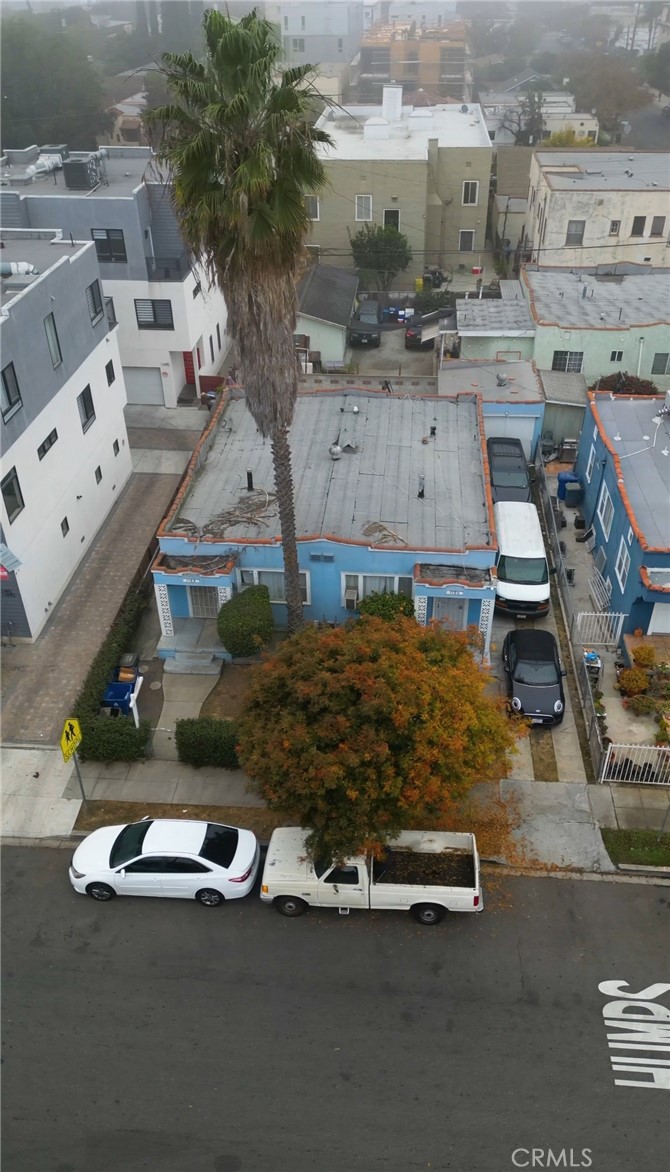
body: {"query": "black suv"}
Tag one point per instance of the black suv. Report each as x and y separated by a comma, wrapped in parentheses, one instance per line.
(508, 469)
(364, 329)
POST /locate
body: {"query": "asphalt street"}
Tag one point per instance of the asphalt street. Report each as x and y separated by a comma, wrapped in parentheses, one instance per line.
(649, 130)
(161, 1035)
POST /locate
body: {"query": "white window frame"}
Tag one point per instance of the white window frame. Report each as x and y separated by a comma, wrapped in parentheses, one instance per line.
(53, 341)
(298, 45)
(622, 566)
(470, 232)
(570, 357)
(310, 200)
(305, 583)
(360, 588)
(615, 227)
(616, 356)
(666, 368)
(605, 511)
(630, 535)
(86, 417)
(470, 203)
(574, 243)
(362, 219)
(655, 221)
(589, 466)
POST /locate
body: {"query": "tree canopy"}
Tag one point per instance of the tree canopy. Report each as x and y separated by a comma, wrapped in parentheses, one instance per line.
(380, 254)
(50, 91)
(359, 731)
(599, 83)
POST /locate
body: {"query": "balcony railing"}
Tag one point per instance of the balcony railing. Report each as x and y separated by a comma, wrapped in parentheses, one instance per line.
(168, 268)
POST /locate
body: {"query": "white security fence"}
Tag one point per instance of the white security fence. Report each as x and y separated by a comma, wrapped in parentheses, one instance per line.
(639, 764)
(597, 629)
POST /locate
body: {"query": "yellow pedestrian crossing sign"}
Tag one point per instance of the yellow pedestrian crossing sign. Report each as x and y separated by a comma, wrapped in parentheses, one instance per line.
(71, 737)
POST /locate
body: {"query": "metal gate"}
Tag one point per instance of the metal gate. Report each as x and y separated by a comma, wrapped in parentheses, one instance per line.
(597, 628)
(638, 764)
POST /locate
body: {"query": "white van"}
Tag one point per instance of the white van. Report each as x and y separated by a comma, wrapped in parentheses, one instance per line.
(522, 589)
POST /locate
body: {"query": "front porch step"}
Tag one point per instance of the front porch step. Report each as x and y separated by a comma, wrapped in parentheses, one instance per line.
(192, 664)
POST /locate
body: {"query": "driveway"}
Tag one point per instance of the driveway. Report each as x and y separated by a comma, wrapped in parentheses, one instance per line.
(391, 357)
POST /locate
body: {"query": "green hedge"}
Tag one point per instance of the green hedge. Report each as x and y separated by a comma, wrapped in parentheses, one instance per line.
(245, 623)
(387, 606)
(105, 738)
(206, 740)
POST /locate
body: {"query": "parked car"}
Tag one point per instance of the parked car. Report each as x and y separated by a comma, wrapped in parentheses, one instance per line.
(167, 857)
(365, 327)
(534, 675)
(508, 469)
(414, 339)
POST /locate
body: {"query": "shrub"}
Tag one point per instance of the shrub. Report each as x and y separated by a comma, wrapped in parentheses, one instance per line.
(245, 623)
(663, 734)
(105, 738)
(387, 606)
(642, 705)
(622, 383)
(206, 740)
(633, 680)
(644, 655)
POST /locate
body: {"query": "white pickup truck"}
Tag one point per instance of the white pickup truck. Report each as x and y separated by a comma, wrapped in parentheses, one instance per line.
(427, 873)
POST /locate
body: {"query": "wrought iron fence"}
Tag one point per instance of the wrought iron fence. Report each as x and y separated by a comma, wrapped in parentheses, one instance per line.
(636, 764)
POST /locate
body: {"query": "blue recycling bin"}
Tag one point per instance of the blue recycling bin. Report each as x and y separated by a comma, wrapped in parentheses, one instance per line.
(565, 478)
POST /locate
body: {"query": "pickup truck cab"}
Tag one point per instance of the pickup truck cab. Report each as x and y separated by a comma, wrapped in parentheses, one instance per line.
(427, 873)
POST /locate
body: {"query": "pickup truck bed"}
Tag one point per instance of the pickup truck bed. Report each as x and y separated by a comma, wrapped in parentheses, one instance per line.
(450, 868)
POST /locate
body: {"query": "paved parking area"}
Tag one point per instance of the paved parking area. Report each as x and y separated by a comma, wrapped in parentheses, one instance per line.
(391, 357)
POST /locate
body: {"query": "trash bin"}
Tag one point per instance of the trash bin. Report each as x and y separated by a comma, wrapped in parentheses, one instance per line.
(565, 478)
(573, 495)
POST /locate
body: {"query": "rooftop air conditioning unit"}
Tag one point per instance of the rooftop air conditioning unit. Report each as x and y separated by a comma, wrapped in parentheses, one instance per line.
(81, 174)
(351, 599)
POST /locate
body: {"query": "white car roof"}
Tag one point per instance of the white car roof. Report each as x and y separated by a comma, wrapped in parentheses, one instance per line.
(170, 834)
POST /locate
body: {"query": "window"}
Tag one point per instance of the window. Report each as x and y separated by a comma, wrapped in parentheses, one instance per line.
(589, 466)
(657, 226)
(363, 207)
(11, 395)
(622, 564)
(109, 245)
(109, 371)
(392, 218)
(471, 192)
(48, 443)
(638, 226)
(302, 24)
(52, 339)
(298, 45)
(605, 510)
(614, 227)
(115, 447)
(274, 580)
(109, 310)
(466, 240)
(575, 233)
(661, 364)
(312, 207)
(568, 360)
(218, 335)
(12, 495)
(148, 865)
(616, 356)
(211, 348)
(342, 876)
(98, 474)
(179, 866)
(340, 45)
(65, 526)
(86, 408)
(94, 302)
(196, 289)
(154, 315)
(365, 584)
(285, 23)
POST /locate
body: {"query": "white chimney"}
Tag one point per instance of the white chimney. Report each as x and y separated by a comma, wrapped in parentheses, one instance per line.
(392, 102)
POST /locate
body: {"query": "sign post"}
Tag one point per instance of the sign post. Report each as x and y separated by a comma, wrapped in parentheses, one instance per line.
(70, 740)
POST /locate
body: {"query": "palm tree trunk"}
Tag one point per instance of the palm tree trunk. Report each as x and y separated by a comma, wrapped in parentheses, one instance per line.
(281, 459)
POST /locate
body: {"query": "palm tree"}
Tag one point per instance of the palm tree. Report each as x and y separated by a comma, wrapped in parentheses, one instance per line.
(242, 154)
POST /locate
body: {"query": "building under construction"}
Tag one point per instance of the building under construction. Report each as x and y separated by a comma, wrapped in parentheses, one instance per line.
(418, 56)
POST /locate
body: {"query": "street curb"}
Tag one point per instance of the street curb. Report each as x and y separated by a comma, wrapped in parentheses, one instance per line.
(631, 868)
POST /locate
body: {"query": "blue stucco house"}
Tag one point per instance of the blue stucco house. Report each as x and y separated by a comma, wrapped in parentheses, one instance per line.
(623, 462)
(390, 494)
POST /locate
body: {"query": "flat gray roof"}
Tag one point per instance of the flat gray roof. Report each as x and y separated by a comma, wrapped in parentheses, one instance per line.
(511, 203)
(582, 299)
(371, 492)
(481, 378)
(605, 170)
(39, 252)
(494, 317)
(406, 138)
(122, 174)
(641, 439)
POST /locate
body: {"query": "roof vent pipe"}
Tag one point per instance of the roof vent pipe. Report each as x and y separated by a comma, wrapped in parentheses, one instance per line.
(250, 480)
(422, 485)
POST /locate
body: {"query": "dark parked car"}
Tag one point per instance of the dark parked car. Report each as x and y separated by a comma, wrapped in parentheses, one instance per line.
(414, 339)
(508, 468)
(534, 675)
(364, 329)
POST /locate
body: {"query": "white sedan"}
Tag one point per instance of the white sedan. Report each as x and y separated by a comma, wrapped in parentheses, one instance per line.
(166, 857)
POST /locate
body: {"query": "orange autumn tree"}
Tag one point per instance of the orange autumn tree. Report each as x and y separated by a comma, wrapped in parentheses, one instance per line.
(357, 732)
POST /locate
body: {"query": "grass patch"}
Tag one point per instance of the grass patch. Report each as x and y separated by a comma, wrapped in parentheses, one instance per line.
(108, 813)
(641, 847)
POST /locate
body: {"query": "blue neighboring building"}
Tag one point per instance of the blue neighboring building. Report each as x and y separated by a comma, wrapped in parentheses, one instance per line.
(623, 462)
(390, 495)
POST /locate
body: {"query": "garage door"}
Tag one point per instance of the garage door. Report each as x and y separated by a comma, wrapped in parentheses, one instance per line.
(521, 427)
(144, 384)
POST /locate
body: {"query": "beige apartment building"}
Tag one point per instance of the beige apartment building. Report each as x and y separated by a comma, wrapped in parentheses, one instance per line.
(423, 170)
